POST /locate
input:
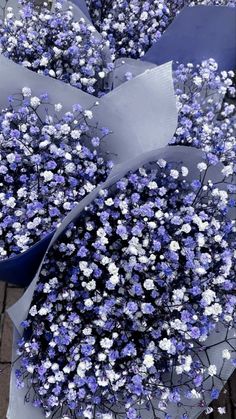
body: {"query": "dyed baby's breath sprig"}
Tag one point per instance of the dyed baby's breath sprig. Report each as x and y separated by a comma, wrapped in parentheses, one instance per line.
(49, 161)
(207, 111)
(131, 27)
(128, 297)
(53, 43)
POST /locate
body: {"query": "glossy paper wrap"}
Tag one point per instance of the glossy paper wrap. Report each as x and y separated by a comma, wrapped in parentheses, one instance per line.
(196, 34)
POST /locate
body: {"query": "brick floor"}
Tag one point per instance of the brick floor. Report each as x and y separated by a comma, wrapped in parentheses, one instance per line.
(4, 388)
(8, 296)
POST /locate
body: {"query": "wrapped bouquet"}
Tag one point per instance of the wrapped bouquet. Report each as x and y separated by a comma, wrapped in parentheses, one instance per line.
(117, 206)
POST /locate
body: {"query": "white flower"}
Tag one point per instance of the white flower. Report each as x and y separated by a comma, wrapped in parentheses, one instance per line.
(109, 202)
(165, 344)
(44, 61)
(89, 187)
(57, 51)
(65, 129)
(226, 354)
(55, 367)
(200, 240)
(33, 311)
(114, 279)
(101, 74)
(197, 80)
(228, 170)
(54, 327)
(186, 228)
(58, 107)
(208, 296)
(159, 214)
(179, 294)
(59, 376)
(30, 368)
(11, 158)
(202, 225)
(102, 381)
(152, 185)
(35, 101)
(43, 144)
(162, 163)
(222, 410)
(17, 226)
(102, 357)
(91, 285)
(174, 246)
(178, 325)
(148, 360)
(149, 284)
(214, 310)
(200, 270)
(48, 175)
(70, 168)
(47, 364)
(195, 394)
(179, 369)
(88, 302)
(88, 114)
(112, 268)
(218, 238)
(184, 171)
(76, 134)
(82, 367)
(212, 370)
(106, 343)
(52, 73)
(26, 91)
(68, 156)
(144, 16)
(23, 127)
(43, 311)
(67, 205)
(202, 166)
(152, 224)
(174, 174)
(11, 202)
(87, 331)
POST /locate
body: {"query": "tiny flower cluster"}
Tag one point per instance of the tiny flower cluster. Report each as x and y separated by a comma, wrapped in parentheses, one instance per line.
(207, 114)
(131, 293)
(48, 162)
(206, 109)
(54, 44)
(131, 27)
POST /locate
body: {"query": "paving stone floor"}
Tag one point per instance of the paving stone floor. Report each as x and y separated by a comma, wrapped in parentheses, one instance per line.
(10, 294)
